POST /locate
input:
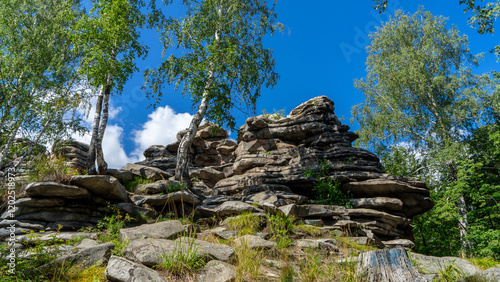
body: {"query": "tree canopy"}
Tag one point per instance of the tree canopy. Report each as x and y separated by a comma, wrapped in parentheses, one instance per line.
(38, 70)
(224, 63)
(424, 108)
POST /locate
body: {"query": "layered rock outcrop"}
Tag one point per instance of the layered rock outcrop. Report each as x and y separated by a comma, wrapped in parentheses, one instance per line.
(267, 167)
(53, 206)
(263, 171)
(75, 153)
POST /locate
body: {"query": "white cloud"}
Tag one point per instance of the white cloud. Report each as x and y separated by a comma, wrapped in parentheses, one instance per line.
(160, 129)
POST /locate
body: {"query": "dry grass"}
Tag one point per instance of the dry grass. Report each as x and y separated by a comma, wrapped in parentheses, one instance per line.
(248, 262)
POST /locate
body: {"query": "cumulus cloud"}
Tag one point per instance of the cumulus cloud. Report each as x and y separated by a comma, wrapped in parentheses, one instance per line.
(160, 129)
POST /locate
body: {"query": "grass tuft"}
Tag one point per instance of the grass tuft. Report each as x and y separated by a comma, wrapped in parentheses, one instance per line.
(246, 223)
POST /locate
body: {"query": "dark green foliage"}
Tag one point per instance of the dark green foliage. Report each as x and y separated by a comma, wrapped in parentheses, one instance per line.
(431, 117)
(327, 190)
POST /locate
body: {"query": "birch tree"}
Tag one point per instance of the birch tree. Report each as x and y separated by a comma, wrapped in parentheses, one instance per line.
(420, 91)
(224, 62)
(109, 40)
(37, 69)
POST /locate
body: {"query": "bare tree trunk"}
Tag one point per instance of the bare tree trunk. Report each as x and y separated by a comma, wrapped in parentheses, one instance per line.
(6, 112)
(101, 163)
(91, 170)
(388, 265)
(463, 225)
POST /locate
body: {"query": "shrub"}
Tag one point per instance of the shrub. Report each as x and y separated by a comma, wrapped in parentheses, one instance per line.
(54, 168)
(277, 115)
(327, 190)
(174, 187)
(131, 185)
(281, 227)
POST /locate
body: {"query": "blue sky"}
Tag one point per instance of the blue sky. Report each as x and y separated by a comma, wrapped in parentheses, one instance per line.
(320, 52)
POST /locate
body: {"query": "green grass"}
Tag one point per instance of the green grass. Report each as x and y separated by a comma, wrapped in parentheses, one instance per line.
(484, 263)
(248, 262)
(307, 229)
(183, 260)
(246, 223)
(353, 245)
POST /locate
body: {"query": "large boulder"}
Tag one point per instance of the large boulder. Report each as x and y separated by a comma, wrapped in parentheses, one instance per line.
(227, 208)
(150, 252)
(217, 271)
(105, 186)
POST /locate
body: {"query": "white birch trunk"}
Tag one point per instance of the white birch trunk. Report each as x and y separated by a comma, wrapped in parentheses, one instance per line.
(101, 163)
(9, 143)
(91, 170)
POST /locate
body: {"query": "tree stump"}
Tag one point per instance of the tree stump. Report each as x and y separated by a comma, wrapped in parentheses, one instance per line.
(388, 265)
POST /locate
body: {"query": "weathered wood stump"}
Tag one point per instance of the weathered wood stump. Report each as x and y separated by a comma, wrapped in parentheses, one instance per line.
(389, 265)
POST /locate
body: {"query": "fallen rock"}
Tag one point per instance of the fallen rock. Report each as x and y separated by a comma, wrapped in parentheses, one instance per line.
(217, 271)
(399, 243)
(227, 208)
(161, 200)
(491, 274)
(123, 176)
(85, 257)
(40, 202)
(378, 203)
(253, 242)
(150, 252)
(152, 173)
(169, 229)
(304, 211)
(323, 244)
(433, 265)
(123, 270)
(133, 210)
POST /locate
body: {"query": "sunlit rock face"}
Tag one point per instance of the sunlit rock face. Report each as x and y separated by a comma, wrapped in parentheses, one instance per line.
(267, 167)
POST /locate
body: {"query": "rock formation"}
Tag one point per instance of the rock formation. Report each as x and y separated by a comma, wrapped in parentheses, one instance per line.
(267, 167)
(52, 206)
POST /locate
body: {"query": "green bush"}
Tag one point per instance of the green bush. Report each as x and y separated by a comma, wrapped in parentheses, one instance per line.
(174, 187)
(327, 190)
(281, 227)
(131, 185)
